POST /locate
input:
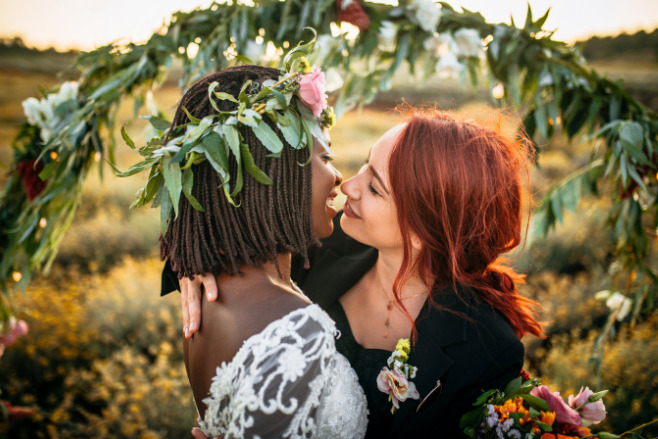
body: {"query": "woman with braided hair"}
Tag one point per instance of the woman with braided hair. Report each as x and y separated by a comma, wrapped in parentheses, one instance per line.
(263, 364)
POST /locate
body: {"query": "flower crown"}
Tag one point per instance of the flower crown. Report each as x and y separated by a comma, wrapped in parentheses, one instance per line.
(296, 104)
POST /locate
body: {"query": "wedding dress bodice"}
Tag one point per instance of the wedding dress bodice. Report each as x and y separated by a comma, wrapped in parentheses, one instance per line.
(287, 381)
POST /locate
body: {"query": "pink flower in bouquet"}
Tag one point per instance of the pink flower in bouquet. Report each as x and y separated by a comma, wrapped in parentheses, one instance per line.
(563, 413)
(397, 386)
(591, 411)
(312, 91)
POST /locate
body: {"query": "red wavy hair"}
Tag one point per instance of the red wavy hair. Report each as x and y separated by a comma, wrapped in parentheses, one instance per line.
(459, 187)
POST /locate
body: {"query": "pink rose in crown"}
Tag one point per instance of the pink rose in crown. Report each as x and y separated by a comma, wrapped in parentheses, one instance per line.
(397, 386)
(563, 413)
(591, 411)
(312, 91)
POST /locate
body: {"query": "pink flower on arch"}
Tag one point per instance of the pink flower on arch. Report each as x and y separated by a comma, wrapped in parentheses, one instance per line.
(312, 91)
(563, 413)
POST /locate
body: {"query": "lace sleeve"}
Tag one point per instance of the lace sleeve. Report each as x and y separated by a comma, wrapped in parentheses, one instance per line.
(273, 386)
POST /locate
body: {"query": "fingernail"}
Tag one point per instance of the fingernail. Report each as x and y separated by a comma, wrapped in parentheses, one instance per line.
(185, 330)
(193, 326)
(212, 295)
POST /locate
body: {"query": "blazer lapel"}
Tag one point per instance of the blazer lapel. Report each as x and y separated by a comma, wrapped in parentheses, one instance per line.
(437, 328)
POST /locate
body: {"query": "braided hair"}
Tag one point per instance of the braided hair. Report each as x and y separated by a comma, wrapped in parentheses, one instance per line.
(269, 219)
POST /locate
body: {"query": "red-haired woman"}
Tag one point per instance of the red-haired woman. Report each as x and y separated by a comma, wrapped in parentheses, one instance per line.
(417, 254)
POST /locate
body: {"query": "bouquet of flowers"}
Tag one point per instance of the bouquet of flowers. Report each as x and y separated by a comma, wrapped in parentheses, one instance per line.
(527, 410)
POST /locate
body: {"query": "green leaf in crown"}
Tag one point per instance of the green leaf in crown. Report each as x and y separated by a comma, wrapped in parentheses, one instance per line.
(296, 104)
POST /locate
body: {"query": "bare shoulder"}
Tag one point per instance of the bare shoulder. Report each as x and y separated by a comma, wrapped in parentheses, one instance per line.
(226, 323)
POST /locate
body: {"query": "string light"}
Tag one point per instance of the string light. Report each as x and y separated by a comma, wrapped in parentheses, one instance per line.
(43, 223)
(16, 276)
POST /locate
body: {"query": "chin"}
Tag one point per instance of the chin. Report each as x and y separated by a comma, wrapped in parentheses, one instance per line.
(346, 224)
(325, 230)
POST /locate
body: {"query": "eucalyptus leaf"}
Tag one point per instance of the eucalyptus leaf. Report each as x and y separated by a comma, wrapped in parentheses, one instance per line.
(188, 182)
(165, 211)
(127, 139)
(172, 178)
(232, 138)
(268, 137)
(158, 123)
(251, 167)
(292, 131)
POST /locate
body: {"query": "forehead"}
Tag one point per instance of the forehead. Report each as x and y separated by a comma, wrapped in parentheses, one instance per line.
(382, 148)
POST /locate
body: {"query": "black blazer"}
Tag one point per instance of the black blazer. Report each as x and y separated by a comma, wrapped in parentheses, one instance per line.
(465, 344)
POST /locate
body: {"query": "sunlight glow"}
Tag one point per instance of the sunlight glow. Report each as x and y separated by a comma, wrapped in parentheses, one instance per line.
(86, 25)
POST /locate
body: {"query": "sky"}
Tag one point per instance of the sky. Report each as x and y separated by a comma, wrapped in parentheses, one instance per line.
(87, 24)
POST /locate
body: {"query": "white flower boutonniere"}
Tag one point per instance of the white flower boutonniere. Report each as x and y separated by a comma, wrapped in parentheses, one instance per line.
(394, 380)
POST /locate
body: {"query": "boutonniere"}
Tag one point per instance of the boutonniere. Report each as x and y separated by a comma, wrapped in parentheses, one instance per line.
(394, 379)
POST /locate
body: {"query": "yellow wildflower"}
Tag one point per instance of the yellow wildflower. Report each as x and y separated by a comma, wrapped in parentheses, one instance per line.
(403, 346)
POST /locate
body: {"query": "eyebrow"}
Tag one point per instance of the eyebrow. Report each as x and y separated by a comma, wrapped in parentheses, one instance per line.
(379, 179)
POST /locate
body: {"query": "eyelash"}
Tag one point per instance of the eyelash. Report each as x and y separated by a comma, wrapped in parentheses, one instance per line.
(327, 157)
(372, 189)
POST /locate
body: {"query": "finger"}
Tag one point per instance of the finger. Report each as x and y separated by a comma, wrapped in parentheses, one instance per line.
(210, 284)
(184, 307)
(194, 295)
(198, 434)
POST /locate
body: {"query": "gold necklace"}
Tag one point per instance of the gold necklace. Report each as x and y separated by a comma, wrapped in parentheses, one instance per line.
(389, 307)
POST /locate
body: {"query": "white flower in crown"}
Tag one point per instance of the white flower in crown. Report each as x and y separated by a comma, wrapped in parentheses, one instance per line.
(425, 13)
(469, 42)
(386, 36)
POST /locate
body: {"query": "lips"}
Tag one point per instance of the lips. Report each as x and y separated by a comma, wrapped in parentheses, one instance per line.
(330, 203)
(347, 210)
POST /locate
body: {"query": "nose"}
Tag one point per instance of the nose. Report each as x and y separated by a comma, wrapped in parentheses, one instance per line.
(349, 188)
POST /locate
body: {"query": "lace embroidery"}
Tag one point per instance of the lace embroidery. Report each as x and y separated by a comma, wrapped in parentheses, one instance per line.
(287, 381)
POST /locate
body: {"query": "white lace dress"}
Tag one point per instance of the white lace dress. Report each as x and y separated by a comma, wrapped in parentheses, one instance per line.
(287, 381)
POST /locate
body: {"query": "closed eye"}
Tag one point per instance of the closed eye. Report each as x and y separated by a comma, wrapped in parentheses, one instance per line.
(372, 189)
